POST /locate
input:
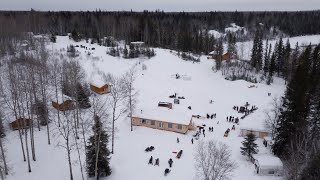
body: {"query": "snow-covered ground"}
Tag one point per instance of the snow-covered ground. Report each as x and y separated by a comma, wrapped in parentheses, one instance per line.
(155, 84)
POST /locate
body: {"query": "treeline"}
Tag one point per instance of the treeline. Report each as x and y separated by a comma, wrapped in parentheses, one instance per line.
(181, 31)
(297, 129)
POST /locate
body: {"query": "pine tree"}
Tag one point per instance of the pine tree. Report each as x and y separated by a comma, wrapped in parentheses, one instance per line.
(266, 63)
(219, 53)
(82, 97)
(125, 52)
(232, 48)
(254, 60)
(257, 52)
(249, 147)
(294, 111)
(97, 155)
(286, 70)
(312, 171)
(279, 57)
(272, 65)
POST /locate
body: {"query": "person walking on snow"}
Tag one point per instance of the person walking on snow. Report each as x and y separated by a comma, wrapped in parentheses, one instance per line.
(178, 140)
(157, 162)
(192, 140)
(151, 160)
(170, 162)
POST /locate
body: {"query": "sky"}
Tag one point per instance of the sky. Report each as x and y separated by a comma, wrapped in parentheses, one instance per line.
(166, 5)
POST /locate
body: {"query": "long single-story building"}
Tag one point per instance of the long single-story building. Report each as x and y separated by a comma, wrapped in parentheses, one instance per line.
(164, 119)
(258, 132)
(268, 165)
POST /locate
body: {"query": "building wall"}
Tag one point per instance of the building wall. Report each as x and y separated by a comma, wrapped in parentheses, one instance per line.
(270, 172)
(259, 134)
(148, 123)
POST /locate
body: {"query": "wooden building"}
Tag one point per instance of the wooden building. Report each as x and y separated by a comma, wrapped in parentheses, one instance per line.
(67, 105)
(164, 119)
(162, 125)
(105, 89)
(21, 123)
(225, 57)
(259, 133)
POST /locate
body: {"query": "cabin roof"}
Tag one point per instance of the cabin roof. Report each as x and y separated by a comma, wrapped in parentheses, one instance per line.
(174, 115)
(268, 161)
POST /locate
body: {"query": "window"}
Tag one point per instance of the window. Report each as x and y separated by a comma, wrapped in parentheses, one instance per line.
(143, 121)
(169, 125)
(153, 123)
(271, 172)
(179, 126)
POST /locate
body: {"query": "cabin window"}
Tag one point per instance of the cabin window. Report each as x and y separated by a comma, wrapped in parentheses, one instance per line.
(169, 125)
(160, 124)
(271, 172)
(143, 121)
(153, 123)
(179, 126)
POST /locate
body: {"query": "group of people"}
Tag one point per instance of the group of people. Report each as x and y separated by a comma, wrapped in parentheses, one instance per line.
(236, 108)
(211, 116)
(210, 129)
(157, 163)
(232, 119)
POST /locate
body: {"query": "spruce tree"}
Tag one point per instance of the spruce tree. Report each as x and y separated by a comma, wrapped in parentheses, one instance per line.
(98, 155)
(254, 50)
(82, 97)
(312, 171)
(219, 53)
(292, 119)
(279, 57)
(249, 147)
(286, 70)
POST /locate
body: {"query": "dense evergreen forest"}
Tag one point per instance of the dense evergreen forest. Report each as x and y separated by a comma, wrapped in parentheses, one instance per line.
(183, 31)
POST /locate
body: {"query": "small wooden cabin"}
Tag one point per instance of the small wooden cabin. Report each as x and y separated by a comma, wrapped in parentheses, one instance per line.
(225, 57)
(162, 125)
(165, 104)
(21, 123)
(67, 105)
(105, 89)
(259, 133)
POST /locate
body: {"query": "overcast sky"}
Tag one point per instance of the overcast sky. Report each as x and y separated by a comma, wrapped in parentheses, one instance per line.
(166, 5)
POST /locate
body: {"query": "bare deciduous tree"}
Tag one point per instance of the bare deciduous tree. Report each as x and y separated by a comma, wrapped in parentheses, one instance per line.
(213, 161)
(117, 97)
(130, 92)
(272, 115)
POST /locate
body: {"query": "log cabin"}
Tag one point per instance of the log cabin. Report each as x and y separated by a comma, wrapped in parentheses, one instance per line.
(105, 89)
(21, 123)
(67, 105)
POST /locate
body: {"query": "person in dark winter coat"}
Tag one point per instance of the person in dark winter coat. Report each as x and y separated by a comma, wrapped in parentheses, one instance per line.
(157, 162)
(211, 116)
(178, 140)
(151, 160)
(166, 171)
(208, 116)
(192, 140)
(233, 127)
(189, 107)
(170, 162)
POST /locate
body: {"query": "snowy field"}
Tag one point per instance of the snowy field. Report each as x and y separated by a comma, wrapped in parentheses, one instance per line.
(155, 84)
